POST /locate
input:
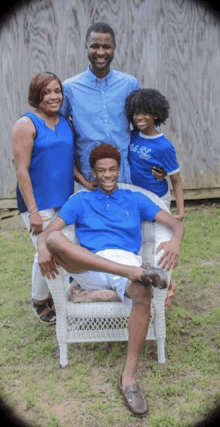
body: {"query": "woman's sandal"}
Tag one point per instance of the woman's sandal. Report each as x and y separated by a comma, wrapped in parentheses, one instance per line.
(45, 318)
(51, 305)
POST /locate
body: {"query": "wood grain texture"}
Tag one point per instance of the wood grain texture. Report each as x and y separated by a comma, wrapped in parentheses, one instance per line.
(170, 45)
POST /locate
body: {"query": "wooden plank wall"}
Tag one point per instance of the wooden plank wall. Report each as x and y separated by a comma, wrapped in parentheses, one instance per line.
(171, 45)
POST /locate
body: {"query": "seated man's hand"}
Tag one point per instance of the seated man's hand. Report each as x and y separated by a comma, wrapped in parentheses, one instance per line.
(158, 172)
(48, 265)
(170, 257)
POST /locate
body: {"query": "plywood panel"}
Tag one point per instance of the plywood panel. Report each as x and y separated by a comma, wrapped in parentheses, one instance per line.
(171, 45)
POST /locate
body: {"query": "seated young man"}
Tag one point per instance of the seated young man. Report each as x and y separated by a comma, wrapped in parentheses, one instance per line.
(108, 227)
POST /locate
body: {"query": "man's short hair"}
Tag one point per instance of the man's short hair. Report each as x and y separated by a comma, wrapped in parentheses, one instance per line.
(38, 85)
(104, 151)
(100, 27)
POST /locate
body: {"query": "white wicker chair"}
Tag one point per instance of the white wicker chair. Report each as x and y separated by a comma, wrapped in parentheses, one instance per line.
(107, 321)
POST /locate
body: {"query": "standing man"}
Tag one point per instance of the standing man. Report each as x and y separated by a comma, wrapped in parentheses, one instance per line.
(95, 100)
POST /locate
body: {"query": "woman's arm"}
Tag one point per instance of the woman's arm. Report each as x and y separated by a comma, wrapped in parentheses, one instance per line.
(23, 134)
(78, 176)
(178, 194)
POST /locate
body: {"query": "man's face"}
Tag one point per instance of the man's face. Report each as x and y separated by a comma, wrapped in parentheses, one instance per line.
(100, 52)
(106, 172)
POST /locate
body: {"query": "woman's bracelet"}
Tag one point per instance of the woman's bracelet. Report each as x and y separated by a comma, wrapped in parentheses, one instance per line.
(30, 213)
(33, 206)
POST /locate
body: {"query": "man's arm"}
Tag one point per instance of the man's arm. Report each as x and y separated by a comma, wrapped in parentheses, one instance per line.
(65, 108)
(170, 257)
(158, 172)
(79, 177)
(48, 265)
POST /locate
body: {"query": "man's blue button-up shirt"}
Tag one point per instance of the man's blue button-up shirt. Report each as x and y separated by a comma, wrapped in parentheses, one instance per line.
(97, 109)
(111, 221)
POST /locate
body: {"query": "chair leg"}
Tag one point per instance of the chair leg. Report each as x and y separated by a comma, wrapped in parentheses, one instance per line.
(63, 355)
(57, 289)
(160, 324)
(161, 350)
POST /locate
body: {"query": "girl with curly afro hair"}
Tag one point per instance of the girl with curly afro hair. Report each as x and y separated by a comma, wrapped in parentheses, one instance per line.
(150, 151)
(146, 109)
(147, 101)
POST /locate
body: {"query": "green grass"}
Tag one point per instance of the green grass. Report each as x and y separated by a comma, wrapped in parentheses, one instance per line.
(178, 393)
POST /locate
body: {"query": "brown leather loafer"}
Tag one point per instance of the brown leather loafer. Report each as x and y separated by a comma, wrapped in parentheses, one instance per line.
(133, 398)
(154, 276)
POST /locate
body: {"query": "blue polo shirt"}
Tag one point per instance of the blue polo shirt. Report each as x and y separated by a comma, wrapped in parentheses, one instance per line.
(97, 109)
(109, 221)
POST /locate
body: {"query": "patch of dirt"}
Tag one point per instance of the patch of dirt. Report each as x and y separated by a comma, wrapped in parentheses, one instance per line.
(10, 219)
(210, 262)
(63, 408)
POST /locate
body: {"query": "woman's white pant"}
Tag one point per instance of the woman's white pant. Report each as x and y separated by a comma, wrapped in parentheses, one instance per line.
(40, 290)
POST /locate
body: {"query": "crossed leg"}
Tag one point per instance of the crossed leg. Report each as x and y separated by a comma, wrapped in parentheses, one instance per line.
(76, 259)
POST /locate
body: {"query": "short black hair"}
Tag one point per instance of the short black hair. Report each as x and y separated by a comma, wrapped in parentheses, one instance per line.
(100, 27)
(148, 101)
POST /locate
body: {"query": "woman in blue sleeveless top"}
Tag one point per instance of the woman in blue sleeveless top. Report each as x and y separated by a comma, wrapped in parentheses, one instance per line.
(43, 148)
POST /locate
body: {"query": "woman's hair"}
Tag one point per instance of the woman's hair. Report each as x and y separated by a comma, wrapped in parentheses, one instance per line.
(147, 101)
(38, 85)
(104, 151)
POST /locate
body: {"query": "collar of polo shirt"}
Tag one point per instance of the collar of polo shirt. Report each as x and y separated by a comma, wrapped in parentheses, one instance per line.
(114, 195)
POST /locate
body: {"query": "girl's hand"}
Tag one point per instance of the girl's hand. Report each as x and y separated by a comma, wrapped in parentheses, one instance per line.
(36, 223)
(179, 217)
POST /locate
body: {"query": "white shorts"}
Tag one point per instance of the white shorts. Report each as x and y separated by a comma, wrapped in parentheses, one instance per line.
(166, 199)
(93, 280)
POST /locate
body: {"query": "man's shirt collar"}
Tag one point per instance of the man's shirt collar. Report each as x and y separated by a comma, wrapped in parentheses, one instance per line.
(101, 195)
(93, 78)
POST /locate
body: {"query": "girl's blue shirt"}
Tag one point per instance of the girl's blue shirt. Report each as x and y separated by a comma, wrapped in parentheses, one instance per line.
(146, 152)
